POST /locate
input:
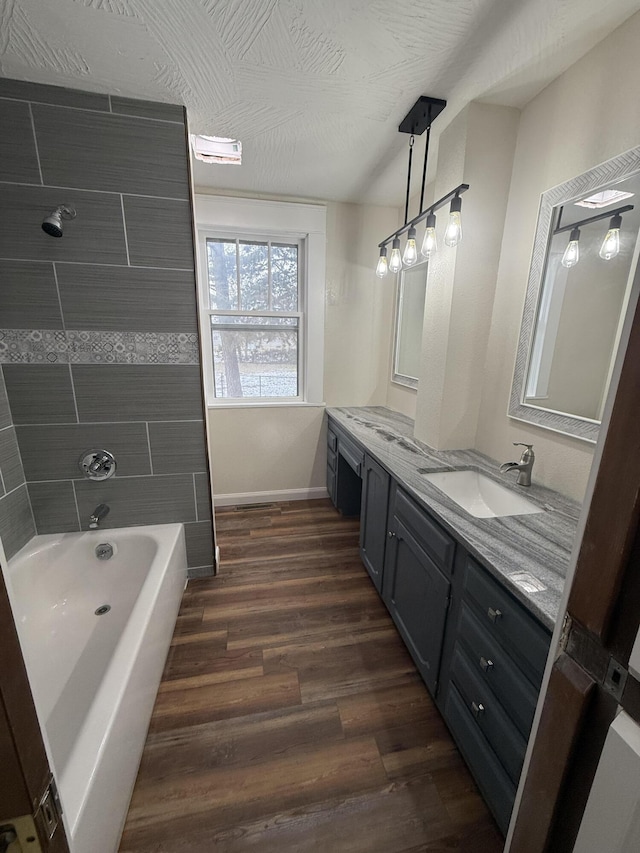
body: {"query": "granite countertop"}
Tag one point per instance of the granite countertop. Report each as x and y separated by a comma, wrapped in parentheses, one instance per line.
(523, 551)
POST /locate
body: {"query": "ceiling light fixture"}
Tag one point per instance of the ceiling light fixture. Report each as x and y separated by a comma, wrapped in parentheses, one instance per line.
(418, 119)
(610, 245)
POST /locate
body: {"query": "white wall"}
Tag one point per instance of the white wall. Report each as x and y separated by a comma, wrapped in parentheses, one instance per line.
(589, 114)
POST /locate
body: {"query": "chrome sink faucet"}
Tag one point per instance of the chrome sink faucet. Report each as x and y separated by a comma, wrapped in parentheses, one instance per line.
(524, 466)
(100, 512)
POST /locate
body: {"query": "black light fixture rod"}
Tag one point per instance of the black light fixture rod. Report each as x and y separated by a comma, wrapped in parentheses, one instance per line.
(424, 167)
(431, 209)
(406, 204)
(608, 215)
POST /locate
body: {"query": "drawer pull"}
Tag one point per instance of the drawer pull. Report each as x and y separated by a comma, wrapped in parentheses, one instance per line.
(486, 665)
(391, 534)
(494, 615)
(477, 709)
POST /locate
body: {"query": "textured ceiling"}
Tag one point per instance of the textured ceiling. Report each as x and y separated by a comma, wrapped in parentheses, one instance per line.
(315, 89)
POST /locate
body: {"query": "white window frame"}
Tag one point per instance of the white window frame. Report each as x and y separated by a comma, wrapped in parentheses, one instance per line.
(257, 219)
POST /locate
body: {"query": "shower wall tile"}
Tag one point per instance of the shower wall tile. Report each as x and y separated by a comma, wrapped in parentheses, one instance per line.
(200, 546)
(138, 500)
(40, 394)
(140, 300)
(16, 521)
(54, 507)
(28, 296)
(10, 461)
(203, 497)
(177, 447)
(95, 236)
(5, 411)
(148, 109)
(137, 392)
(159, 232)
(111, 152)
(52, 452)
(18, 157)
(43, 94)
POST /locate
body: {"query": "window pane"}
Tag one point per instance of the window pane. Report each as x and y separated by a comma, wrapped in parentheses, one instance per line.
(223, 282)
(254, 276)
(251, 320)
(284, 277)
(255, 364)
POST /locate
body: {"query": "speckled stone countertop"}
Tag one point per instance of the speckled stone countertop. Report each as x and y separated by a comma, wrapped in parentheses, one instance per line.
(522, 551)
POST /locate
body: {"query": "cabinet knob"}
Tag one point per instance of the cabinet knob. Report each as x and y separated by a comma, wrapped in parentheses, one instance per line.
(494, 615)
(477, 709)
(486, 665)
(391, 534)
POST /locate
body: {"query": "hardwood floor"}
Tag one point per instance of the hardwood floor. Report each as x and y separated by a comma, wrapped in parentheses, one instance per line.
(290, 717)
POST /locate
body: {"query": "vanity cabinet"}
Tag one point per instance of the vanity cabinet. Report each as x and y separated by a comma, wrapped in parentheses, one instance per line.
(416, 582)
(345, 460)
(373, 519)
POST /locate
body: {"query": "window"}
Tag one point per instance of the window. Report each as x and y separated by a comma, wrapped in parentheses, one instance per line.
(261, 268)
(255, 321)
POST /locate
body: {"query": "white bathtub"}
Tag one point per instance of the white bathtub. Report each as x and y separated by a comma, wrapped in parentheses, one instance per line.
(95, 678)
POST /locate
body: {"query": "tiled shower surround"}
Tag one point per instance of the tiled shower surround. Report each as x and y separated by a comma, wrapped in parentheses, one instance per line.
(98, 329)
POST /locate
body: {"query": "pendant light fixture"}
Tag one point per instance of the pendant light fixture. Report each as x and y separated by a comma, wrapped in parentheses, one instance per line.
(610, 245)
(416, 122)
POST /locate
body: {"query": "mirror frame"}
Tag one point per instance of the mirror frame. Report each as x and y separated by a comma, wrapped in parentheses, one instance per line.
(607, 173)
(402, 378)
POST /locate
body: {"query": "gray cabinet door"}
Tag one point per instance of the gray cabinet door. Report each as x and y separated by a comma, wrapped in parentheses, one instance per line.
(373, 520)
(417, 595)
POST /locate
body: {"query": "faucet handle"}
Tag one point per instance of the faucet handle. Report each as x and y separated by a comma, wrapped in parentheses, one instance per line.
(522, 444)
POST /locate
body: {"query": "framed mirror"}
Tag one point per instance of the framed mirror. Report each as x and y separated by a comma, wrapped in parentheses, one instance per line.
(580, 280)
(412, 288)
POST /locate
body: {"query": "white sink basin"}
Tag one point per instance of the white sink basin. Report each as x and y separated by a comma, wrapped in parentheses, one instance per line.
(480, 496)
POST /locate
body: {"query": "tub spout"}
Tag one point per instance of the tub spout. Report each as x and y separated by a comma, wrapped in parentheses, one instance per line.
(100, 512)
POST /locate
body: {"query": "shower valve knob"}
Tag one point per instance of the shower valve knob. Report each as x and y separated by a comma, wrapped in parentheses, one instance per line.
(97, 464)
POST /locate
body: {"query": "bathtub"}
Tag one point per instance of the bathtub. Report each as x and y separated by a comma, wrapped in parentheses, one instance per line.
(94, 677)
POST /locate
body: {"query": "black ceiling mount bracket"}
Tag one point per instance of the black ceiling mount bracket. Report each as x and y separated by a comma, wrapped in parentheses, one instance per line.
(421, 115)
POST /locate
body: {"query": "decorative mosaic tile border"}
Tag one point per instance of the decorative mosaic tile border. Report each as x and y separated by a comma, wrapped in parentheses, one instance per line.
(56, 346)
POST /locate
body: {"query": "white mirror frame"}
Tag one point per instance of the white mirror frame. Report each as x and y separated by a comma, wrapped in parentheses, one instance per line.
(610, 172)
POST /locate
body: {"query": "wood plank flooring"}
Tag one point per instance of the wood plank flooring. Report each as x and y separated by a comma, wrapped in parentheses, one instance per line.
(290, 716)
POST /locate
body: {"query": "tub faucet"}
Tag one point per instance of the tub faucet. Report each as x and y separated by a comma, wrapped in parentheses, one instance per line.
(99, 513)
(524, 466)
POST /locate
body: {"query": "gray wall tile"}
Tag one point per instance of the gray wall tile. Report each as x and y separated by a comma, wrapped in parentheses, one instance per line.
(10, 462)
(44, 94)
(52, 452)
(199, 537)
(159, 232)
(54, 507)
(18, 158)
(177, 447)
(40, 393)
(137, 392)
(96, 235)
(147, 109)
(108, 152)
(129, 299)
(200, 572)
(28, 296)
(203, 497)
(16, 521)
(5, 412)
(138, 500)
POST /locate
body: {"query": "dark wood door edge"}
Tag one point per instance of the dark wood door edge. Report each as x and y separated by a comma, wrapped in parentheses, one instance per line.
(568, 695)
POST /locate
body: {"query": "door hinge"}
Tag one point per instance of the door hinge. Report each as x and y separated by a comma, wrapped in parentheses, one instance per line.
(49, 811)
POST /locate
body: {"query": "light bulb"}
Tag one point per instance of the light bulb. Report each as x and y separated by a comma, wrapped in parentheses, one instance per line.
(383, 267)
(453, 234)
(410, 255)
(611, 243)
(429, 243)
(395, 262)
(572, 252)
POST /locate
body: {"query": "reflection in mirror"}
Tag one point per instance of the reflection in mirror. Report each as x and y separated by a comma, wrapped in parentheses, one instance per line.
(577, 298)
(409, 318)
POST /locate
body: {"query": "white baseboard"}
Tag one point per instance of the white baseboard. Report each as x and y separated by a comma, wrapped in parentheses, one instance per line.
(242, 498)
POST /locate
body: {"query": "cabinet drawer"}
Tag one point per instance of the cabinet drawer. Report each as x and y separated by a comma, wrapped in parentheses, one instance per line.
(489, 715)
(524, 639)
(438, 544)
(332, 439)
(497, 789)
(493, 666)
(331, 458)
(352, 454)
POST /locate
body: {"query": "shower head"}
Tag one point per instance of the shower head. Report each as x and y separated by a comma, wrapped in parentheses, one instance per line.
(52, 225)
